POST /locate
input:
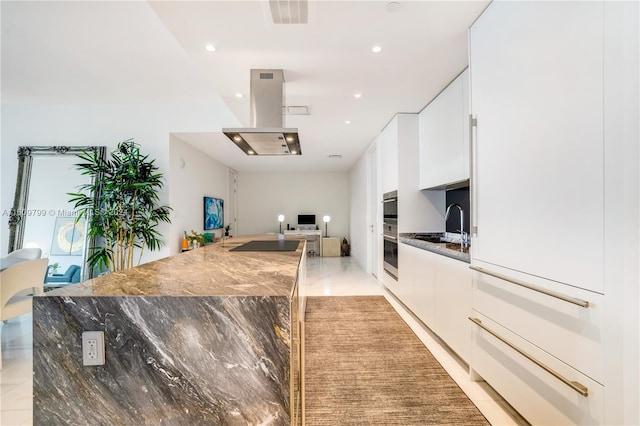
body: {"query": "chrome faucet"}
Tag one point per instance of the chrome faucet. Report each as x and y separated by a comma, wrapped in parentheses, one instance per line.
(464, 237)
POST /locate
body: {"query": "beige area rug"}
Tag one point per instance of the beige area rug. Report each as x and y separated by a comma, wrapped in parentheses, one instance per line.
(365, 366)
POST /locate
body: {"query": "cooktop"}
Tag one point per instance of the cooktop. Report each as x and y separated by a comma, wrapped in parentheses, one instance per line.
(270, 245)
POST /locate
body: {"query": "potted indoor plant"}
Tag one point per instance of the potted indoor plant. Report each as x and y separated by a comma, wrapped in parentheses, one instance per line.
(226, 230)
(195, 240)
(120, 205)
(53, 268)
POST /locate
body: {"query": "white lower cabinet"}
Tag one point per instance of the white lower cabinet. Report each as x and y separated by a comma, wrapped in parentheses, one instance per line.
(540, 344)
(437, 290)
(453, 304)
(417, 282)
(543, 389)
(565, 322)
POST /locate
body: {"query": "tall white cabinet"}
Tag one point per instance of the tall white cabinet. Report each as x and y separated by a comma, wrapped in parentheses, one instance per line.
(538, 98)
(554, 89)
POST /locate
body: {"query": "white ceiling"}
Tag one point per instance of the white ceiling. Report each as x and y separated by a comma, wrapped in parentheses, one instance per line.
(153, 52)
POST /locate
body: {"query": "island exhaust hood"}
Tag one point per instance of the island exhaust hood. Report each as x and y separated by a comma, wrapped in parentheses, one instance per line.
(267, 136)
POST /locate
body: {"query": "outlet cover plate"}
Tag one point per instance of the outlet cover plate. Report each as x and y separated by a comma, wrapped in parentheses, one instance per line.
(93, 348)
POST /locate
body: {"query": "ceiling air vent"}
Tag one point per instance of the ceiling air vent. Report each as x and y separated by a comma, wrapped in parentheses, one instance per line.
(296, 110)
(289, 11)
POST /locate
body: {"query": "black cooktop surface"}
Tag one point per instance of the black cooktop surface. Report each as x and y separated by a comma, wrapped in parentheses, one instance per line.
(271, 245)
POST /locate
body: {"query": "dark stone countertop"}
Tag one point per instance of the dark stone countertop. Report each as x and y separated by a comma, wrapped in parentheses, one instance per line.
(452, 250)
(211, 270)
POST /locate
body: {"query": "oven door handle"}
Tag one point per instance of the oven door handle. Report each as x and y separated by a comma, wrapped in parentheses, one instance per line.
(390, 200)
(390, 238)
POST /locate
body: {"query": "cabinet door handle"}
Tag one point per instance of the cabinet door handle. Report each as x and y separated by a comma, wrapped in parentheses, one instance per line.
(576, 386)
(473, 225)
(575, 301)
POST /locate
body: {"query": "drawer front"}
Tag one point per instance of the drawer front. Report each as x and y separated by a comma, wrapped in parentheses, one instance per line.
(569, 332)
(529, 384)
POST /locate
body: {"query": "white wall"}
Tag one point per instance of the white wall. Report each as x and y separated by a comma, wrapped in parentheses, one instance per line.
(359, 211)
(264, 195)
(193, 175)
(104, 125)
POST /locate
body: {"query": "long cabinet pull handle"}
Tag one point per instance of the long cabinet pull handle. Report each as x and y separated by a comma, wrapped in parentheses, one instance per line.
(473, 225)
(576, 386)
(579, 302)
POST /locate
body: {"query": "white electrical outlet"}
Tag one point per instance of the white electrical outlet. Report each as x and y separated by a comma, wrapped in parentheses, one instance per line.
(93, 348)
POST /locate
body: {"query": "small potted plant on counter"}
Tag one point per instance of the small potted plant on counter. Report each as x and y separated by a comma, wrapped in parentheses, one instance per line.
(53, 268)
(226, 230)
(195, 240)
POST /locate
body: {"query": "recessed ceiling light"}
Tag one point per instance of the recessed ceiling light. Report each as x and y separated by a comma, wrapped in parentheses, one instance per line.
(294, 152)
(239, 95)
(250, 152)
(237, 138)
(289, 139)
(376, 49)
(357, 95)
(347, 122)
(209, 47)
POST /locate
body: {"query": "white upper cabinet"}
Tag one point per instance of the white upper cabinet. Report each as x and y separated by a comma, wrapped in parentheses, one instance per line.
(537, 91)
(388, 140)
(444, 136)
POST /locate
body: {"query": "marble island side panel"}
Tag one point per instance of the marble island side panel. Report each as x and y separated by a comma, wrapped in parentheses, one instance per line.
(203, 353)
(169, 360)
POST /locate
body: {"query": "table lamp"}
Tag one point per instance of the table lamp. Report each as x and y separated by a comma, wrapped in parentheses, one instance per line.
(281, 219)
(326, 220)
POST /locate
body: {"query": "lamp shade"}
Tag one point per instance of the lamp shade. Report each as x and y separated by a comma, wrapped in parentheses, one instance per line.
(326, 219)
(280, 218)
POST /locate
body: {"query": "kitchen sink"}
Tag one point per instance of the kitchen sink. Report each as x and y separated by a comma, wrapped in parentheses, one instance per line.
(457, 247)
(431, 238)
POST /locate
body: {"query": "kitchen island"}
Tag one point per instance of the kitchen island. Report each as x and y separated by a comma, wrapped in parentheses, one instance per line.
(209, 336)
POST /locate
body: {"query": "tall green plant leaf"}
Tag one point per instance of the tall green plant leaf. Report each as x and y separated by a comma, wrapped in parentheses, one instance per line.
(120, 205)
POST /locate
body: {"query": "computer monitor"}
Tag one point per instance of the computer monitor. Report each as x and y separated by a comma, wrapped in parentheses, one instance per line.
(306, 219)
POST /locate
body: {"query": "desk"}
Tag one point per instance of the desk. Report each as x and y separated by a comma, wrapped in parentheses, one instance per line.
(314, 239)
(7, 262)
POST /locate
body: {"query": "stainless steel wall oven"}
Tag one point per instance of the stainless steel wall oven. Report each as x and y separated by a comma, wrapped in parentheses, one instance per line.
(390, 233)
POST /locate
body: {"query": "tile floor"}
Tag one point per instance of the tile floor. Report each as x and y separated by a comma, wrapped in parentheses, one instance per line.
(325, 276)
(16, 377)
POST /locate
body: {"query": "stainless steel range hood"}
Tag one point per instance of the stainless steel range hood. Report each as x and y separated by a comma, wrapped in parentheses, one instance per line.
(267, 136)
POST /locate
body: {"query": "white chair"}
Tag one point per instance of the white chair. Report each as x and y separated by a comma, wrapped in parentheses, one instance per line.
(17, 285)
(26, 253)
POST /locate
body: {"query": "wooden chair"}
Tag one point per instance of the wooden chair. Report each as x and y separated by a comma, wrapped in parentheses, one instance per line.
(17, 285)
